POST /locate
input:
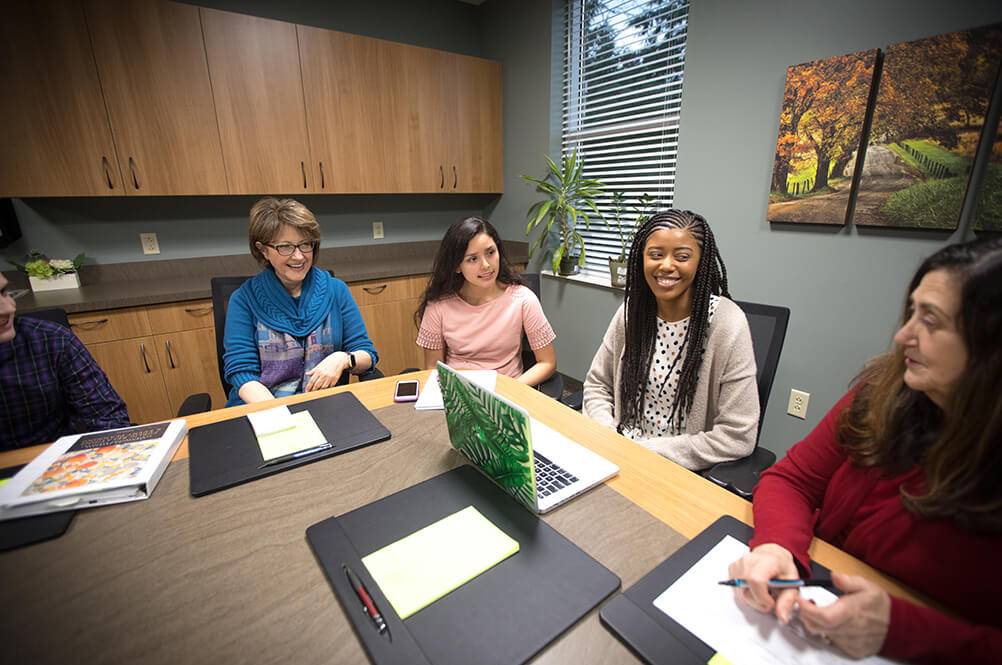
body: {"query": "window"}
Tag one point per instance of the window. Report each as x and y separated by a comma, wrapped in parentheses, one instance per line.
(622, 80)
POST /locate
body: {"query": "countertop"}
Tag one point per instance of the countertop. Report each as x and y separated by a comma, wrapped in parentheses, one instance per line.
(118, 285)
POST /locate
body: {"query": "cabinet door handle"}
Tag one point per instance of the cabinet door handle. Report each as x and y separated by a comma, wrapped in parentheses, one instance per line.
(441, 173)
(302, 166)
(170, 355)
(375, 290)
(198, 311)
(455, 177)
(146, 362)
(107, 171)
(322, 182)
(89, 325)
(132, 167)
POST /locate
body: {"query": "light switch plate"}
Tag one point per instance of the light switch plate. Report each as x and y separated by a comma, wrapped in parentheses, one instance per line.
(377, 230)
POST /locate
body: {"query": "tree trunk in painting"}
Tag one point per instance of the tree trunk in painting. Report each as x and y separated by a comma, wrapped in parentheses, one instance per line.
(821, 177)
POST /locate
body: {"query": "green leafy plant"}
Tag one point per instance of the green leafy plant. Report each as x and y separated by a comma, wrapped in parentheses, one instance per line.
(569, 199)
(640, 212)
(39, 265)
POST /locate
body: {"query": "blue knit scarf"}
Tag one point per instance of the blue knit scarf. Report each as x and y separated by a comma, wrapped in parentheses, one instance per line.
(273, 306)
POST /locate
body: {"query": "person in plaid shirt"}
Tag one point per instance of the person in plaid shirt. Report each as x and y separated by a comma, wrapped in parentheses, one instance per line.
(50, 385)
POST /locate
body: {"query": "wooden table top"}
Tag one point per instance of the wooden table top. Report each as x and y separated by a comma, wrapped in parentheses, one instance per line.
(189, 570)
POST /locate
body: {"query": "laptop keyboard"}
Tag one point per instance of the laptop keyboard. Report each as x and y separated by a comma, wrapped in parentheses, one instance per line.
(550, 477)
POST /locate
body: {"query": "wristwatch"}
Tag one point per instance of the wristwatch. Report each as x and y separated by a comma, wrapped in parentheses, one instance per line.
(351, 361)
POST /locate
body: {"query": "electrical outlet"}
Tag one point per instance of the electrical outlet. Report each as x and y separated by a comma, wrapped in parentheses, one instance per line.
(150, 243)
(798, 403)
(377, 230)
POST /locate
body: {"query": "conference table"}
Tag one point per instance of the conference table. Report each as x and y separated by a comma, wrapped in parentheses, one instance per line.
(230, 578)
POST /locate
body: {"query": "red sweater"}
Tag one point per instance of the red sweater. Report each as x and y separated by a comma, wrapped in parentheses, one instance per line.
(815, 490)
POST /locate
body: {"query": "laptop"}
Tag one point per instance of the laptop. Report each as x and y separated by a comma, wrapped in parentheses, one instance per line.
(539, 467)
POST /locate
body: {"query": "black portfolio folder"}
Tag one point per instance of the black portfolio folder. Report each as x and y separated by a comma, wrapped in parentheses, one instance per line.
(35, 529)
(226, 453)
(505, 615)
(650, 633)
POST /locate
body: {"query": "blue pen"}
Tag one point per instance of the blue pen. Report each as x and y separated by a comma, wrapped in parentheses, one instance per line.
(785, 584)
(296, 455)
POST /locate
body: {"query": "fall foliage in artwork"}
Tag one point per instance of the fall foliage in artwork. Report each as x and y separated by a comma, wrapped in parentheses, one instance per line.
(820, 127)
(930, 110)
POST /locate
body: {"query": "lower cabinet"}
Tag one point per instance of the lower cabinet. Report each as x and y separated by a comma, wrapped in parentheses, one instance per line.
(388, 307)
(134, 371)
(155, 356)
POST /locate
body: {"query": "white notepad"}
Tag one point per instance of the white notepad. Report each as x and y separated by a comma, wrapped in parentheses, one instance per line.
(431, 394)
(740, 634)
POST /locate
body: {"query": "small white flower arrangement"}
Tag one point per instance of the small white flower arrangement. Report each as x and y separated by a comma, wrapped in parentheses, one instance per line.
(47, 274)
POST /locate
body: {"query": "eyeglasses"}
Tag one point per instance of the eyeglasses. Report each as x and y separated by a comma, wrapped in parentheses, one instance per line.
(287, 249)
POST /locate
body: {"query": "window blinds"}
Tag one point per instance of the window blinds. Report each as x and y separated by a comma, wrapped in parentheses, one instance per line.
(622, 93)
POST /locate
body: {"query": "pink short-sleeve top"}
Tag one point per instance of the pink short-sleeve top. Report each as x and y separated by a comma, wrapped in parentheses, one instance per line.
(487, 336)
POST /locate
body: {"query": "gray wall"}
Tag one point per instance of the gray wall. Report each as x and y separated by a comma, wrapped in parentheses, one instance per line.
(844, 287)
(107, 229)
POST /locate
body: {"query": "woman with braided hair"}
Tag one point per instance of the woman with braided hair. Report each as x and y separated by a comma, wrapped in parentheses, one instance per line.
(676, 371)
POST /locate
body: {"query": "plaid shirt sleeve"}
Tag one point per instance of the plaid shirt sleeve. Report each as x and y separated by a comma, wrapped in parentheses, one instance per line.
(89, 397)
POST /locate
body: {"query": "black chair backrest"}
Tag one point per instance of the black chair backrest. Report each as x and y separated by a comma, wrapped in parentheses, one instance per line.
(768, 332)
(222, 289)
(55, 315)
(531, 281)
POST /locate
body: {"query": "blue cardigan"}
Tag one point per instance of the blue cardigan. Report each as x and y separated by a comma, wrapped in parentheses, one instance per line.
(262, 299)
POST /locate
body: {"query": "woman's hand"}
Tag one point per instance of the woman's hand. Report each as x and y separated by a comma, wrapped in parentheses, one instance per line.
(857, 622)
(766, 562)
(327, 372)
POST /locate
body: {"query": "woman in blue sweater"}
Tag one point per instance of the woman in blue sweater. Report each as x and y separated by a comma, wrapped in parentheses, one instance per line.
(291, 328)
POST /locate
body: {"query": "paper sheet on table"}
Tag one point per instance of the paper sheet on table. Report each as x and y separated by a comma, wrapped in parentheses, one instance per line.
(431, 393)
(743, 636)
(280, 432)
(418, 569)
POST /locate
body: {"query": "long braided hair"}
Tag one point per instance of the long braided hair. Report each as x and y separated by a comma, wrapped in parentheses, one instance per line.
(642, 312)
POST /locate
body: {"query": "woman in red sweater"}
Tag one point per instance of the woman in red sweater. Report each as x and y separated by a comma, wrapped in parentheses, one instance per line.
(905, 473)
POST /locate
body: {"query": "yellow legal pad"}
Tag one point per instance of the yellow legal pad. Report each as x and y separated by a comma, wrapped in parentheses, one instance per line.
(300, 433)
(418, 569)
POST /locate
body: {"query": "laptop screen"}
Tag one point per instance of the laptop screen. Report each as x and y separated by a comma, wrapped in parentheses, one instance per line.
(491, 432)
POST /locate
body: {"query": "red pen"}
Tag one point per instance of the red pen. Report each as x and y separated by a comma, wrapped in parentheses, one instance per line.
(363, 596)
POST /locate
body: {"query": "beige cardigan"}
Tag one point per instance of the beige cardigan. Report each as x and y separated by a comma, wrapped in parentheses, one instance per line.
(723, 422)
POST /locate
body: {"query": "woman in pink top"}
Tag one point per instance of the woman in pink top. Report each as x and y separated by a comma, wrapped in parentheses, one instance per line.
(475, 309)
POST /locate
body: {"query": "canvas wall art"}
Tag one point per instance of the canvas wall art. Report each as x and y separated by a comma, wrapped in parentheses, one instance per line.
(820, 127)
(988, 213)
(930, 109)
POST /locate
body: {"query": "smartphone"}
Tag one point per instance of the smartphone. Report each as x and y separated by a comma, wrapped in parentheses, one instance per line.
(406, 391)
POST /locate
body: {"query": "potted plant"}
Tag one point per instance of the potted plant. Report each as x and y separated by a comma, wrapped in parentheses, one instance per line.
(47, 274)
(641, 212)
(569, 198)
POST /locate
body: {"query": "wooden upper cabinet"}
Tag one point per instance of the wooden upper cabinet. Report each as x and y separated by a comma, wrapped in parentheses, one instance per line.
(155, 79)
(359, 113)
(479, 145)
(258, 90)
(53, 124)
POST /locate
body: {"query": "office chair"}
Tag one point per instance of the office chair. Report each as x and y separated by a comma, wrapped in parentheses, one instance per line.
(553, 386)
(56, 315)
(768, 325)
(196, 403)
(222, 289)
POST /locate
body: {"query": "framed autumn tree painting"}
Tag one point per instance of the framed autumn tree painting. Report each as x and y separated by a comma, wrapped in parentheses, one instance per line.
(931, 105)
(820, 128)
